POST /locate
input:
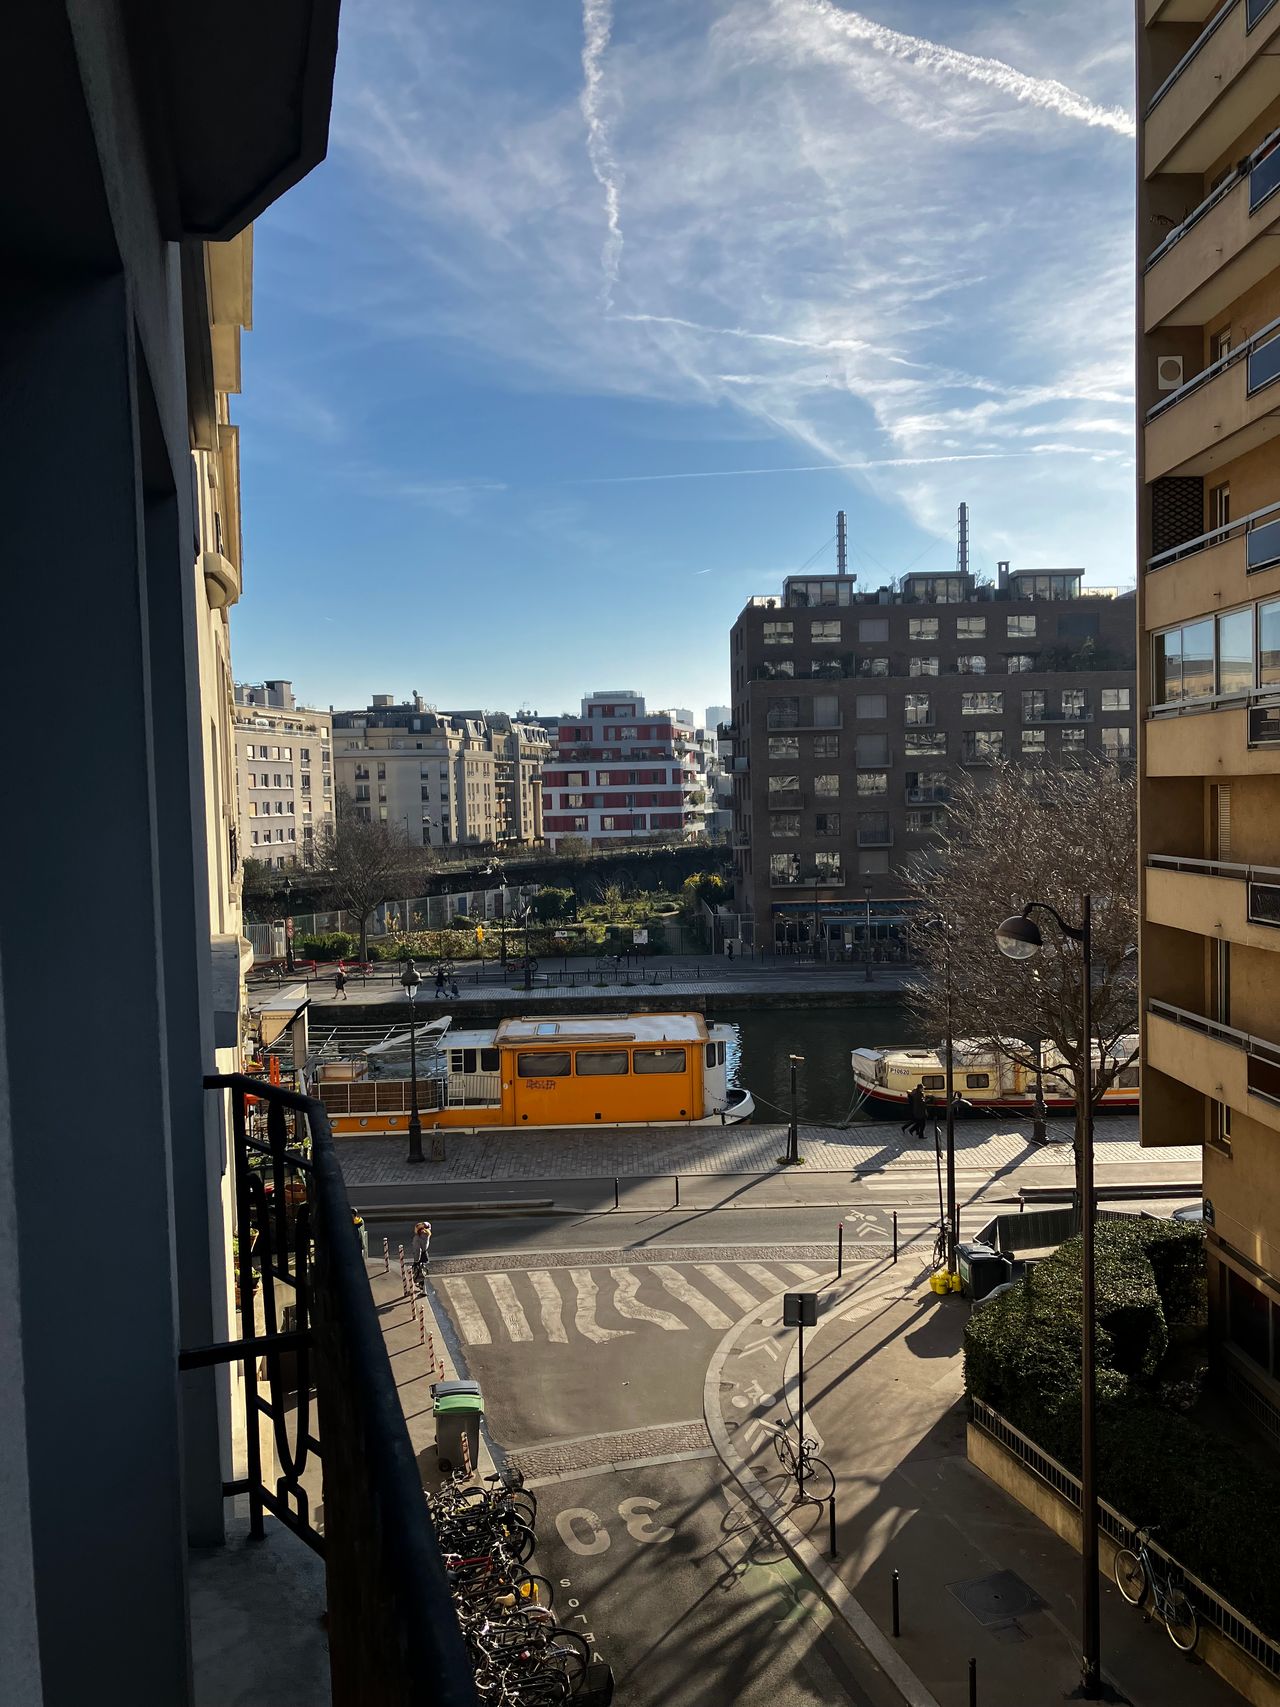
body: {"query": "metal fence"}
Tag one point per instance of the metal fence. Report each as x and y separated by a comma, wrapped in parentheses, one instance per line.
(1210, 1606)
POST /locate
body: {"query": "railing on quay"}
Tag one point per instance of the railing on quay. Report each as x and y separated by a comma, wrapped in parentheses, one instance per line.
(1211, 1608)
(392, 1631)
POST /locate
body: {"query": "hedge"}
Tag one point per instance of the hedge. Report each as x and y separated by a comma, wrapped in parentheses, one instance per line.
(1213, 1503)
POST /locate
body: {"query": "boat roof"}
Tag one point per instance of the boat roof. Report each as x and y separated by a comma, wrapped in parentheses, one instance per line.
(605, 1028)
(469, 1039)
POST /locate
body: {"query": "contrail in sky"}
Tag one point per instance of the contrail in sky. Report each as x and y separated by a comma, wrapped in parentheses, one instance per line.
(597, 25)
(827, 467)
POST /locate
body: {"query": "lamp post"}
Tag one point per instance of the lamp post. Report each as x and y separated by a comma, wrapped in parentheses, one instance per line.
(410, 978)
(792, 1157)
(288, 926)
(526, 904)
(866, 896)
(1019, 937)
(952, 1222)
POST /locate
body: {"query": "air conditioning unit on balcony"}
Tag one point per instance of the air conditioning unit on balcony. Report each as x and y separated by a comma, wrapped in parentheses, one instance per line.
(1169, 373)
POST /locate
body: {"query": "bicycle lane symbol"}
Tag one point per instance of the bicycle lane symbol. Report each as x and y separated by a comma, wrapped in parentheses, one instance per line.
(767, 1413)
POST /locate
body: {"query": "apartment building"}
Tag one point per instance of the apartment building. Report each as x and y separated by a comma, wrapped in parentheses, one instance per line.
(284, 774)
(1208, 347)
(854, 712)
(622, 772)
(447, 777)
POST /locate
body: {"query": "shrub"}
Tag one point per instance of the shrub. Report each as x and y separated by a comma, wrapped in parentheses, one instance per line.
(330, 945)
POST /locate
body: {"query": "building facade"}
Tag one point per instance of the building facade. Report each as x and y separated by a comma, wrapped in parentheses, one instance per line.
(623, 773)
(1208, 348)
(284, 774)
(854, 712)
(448, 777)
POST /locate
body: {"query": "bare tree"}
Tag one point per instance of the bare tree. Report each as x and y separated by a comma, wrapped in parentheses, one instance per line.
(365, 860)
(1020, 834)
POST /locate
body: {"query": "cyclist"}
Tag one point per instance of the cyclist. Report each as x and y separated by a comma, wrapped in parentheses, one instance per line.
(421, 1253)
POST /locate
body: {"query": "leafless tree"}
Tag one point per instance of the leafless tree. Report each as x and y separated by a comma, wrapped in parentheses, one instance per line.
(364, 861)
(1016, 834)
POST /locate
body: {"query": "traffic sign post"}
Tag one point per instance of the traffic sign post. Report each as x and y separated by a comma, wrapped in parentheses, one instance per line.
(800, 1311)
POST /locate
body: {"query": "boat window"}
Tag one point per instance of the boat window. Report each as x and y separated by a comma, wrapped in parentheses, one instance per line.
(977, 1081)
(548, 1030)
(544, 1064)
(462, 1060)
(490, 1060)
(933, 1082)
(598, 1063)
(659, 1061)
(711, 1055)
(1128, 1078)
(720, 1053)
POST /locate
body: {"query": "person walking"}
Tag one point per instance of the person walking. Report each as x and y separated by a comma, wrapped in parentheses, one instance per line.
(918, 1110)
(339, 984)
(729, 947)
(453, 988)
(421, 1253)
(439, 982)
(362, 1232)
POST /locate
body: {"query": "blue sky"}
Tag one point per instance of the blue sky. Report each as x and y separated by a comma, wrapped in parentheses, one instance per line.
(557, 358)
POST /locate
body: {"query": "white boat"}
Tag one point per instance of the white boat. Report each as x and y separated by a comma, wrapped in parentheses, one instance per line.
(985, 1077)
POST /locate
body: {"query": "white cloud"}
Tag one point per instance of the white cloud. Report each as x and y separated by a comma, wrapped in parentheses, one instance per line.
(597, 24)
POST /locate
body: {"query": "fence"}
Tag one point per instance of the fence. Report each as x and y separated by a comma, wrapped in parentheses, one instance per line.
(418, 913)
(1210, 1606)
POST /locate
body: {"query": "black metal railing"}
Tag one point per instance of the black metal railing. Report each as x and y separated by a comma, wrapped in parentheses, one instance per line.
(393, 1634)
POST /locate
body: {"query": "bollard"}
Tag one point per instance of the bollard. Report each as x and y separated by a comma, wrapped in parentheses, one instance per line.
(386, 1256)
(615, 1191)
(422, 1327)
(895, 1235)
(831, 1526)
(1022, 1200)
(897, 1624)
(677, 1180)
(973, 1683)
(840, 1253)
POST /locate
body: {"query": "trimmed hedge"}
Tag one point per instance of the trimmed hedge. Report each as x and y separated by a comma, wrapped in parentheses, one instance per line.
(1214, 1505)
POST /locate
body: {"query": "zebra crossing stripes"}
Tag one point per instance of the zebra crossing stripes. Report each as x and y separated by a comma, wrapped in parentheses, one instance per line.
(687, 1293)
(549, 1305)
(467, 1312)
(801, 1270)
(513, 1317)
(626, 1303)
(762, 1276)
(739, 1295)
(585, 1314)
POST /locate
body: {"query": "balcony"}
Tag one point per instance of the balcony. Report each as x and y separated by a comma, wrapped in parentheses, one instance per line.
(344, 1482)
(1215, 898)
(1219, 251)
(1056, 714)
(1227, 409)
(1217, 1060)
(1219, 87)
(1180, 11)
(1218, 735)
(786, 800)
(807, 879)
(875, 838)
(1212, 570)
(935, 794)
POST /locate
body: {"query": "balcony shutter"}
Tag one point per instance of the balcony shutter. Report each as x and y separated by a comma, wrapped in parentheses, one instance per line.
(1177, 511)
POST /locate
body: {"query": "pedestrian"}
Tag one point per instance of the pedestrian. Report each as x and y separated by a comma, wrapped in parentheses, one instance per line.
(453, 988)
(439, 982)
(730, 950)
(362, 1232)
(340, 984)
(918, 1110)
(421, 1253)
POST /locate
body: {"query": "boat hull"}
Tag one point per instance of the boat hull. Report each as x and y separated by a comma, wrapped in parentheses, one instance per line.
(877, 1099)
(740, 1106)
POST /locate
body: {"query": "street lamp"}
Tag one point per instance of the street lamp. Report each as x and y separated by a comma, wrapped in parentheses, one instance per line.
(410, 978)
(952, 1227)
(528, 964)
(1020, 938)
(866, 896)
(288, 926)
(792, 1157)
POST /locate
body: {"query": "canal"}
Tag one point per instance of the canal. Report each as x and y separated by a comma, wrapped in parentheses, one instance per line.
(765, 1039)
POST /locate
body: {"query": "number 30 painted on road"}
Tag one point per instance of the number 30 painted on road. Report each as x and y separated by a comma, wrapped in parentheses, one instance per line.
(635, 1513)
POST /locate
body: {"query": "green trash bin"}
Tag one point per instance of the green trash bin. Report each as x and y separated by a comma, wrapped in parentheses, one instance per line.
(458, 1408)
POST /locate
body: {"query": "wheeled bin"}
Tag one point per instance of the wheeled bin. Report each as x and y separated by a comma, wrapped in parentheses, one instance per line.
(458, 1407)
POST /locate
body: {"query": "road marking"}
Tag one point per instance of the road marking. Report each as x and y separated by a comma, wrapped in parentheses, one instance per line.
(764, 1276)
(738, 1294)
(687, 1293)
(585, 1314)
(467, 1311)
(626, 1285)
(513, 1317)
(801, 1270)
(549, 1303)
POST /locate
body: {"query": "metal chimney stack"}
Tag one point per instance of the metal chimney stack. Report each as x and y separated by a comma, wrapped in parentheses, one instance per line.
(842, 543)
(962, 543)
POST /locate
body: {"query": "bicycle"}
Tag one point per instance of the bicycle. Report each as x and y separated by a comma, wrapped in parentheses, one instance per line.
(940, 1248)
(1138, 1572)
(813, 1476)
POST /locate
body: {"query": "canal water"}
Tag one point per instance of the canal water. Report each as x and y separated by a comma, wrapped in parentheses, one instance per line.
(764, 1039)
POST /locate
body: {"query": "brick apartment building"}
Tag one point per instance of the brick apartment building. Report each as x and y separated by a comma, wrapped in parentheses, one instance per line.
(854, 712)
(623, 772)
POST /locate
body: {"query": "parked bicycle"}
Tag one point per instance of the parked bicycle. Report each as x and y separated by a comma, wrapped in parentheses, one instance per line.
(812, 1475)
(1139, 1572)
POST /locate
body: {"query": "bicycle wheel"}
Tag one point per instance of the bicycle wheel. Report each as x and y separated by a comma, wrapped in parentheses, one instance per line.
(817, 1481)
(1180, 1620)
(1131, 1576)
(568, 1655)
(786, 1453)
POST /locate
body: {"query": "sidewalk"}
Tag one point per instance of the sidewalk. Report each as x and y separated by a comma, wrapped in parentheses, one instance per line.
(979, 1576)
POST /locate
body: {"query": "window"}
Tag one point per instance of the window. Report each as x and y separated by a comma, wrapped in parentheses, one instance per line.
(922, 628)
(1220, 506)
(781, 747)
(927, 666)
(981, 1081)
(873, 864)
(872, 705)
(784, 825)
(920, 745)
(916, 710)
(1033, 743)
(873, 782)
(873, 628)
(779, 633)
(824, 633)
(1235, 652)
(1115, 699)
(781, 669)
(981, 704)
(873, 829)
(1116, 743)
(826, 787)
(827, 824)
(1269, 644)
(659, 1060)
(1184, 663)
(609, 824)
(826, 746)
(1073, 738)
(1020, 663)
(573, 779)
(983, 746)
(544, 1064)
(827, 867)
(784, 712)
(600, 1063)
(1075, 705)
(971, 628)
(784, 868)
(871, 752)
(1020, 627)
(1033, 705)
(873, 667)
(919, 821)
(971, 664)
(782, 787)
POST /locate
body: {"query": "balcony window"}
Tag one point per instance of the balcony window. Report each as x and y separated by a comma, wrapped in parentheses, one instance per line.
(781, 747)
(916, 711)
(873, 782)
(1235, 652)
(921, 821)
(926, 666)
(1184, 663)
(981, 704)
(1033, 703)
(971, 664)
(1117, 743)
(928, 785)
(983, 746)
(971, 628)
(1020, 627)
(872, 706)
(871, 752)
(1269, 644)
(779, 633)
(784, 868)
(784, 713)
(873, 628)
(873, 666)
(1020, 663)
(1264, 364)
(827, 867)
(922, 628)
(920, 745)
(780, 787)
(1075, 704)
(873, 829)
(784, 825)
(1115, 699)
(824, 633)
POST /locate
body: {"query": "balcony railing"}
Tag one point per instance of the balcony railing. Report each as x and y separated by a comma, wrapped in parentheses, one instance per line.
(392, 1632)
(935, 794)
(1057, 714)
(1258, 351)
(1198, 45)
(875, 838)
(1261, 530)
(1263, 881)
(1263, 1072)
(1261, 168)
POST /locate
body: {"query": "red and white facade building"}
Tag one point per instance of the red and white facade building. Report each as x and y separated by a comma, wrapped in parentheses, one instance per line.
(622, 772)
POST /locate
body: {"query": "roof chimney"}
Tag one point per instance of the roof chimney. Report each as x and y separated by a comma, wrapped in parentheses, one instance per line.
(1002, 572)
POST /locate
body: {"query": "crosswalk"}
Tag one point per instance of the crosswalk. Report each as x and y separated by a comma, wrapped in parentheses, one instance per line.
(523, 1306)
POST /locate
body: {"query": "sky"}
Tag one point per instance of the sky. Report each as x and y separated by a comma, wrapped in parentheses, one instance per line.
(599, 310)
